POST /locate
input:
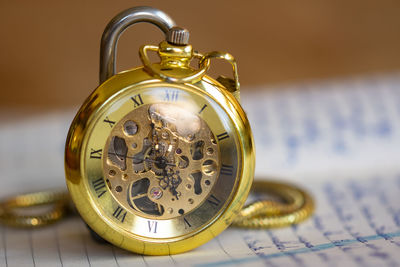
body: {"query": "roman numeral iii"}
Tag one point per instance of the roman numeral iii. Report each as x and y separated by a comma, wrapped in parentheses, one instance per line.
(226, 169)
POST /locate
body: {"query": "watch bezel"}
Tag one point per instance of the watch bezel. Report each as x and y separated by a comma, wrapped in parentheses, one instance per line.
(76, 137)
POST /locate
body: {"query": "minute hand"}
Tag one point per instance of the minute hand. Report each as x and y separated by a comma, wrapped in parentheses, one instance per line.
(138, 158)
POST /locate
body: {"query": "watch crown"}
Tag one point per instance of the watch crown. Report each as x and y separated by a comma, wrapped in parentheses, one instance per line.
(178, 36)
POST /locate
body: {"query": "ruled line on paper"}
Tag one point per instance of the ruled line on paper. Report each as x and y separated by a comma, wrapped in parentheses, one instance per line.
(31, 247)
(222, 248)
(86, 250)
(57, 245)
(316, 248)
(336, 235)
(4, 247)
(115, 257)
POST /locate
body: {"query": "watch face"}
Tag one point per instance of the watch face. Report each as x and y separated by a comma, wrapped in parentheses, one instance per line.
(161, 161)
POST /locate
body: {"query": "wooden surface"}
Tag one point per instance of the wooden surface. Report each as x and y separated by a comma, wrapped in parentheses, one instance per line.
(49, 49)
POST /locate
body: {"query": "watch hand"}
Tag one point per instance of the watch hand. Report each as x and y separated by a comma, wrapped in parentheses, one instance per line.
(174, 192)
(139, 158)
(125, 156)
(172, 187)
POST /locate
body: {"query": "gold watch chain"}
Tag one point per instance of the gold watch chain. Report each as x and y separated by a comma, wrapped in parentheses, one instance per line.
(290, 206)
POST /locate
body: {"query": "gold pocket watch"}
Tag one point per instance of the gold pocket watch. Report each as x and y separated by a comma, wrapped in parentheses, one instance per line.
(160, 158)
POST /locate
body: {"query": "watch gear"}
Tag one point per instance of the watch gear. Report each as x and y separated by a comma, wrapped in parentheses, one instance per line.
(158, 155)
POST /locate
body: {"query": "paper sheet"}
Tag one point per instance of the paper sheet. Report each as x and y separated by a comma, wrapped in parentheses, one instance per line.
(340, 140)
(351, 125)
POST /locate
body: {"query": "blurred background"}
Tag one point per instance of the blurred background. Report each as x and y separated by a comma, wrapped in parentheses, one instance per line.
(49, 50)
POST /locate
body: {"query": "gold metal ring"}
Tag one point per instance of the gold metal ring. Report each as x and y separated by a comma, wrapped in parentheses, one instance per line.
(294, 205)
(13, 210)
(226, 56)
(204, 65)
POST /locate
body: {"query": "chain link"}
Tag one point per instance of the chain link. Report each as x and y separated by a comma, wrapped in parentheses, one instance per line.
(34, 209)
(293, 205)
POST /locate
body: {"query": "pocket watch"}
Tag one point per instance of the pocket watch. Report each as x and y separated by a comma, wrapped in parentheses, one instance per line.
(160, 158)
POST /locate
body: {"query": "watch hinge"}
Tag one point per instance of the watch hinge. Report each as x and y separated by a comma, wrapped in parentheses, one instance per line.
(230, 85)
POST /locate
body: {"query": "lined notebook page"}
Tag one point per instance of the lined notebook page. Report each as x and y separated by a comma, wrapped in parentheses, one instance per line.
(340, 140)
(351, 125)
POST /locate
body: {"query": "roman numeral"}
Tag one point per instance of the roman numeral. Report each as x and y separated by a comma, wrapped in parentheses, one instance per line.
(152, 226)
(137, 100)
(120, 214)
(214, 201)
(110, 122)
(171, 95)
(226, 169)
(187, 224)
(201, 110)
(99, 186)
(95, 154)
(222, 136)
